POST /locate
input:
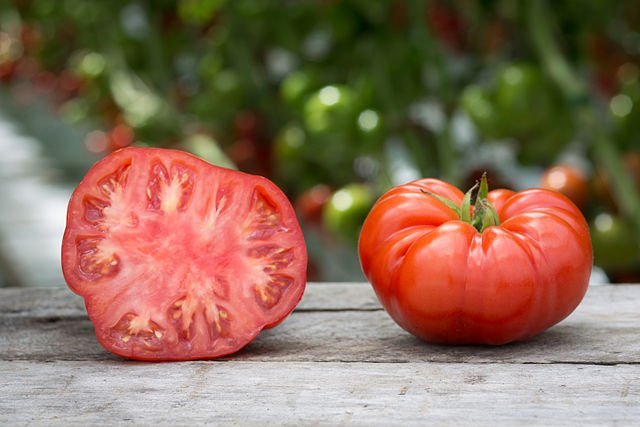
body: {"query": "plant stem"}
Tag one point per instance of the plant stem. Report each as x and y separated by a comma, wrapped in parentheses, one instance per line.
(574, 89)
(432, 52)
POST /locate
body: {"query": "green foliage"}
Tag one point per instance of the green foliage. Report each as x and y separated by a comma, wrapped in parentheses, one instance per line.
(337, 92)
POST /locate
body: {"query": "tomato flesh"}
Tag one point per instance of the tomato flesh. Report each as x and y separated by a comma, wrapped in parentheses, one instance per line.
(178, 259)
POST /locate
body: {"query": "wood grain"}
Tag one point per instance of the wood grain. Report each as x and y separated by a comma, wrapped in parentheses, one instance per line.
(61, 302)
(259, 393)
(338, 359)
(339, 322)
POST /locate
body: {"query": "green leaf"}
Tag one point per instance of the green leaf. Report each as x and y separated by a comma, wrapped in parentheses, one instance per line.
(489, 217)
(478, 216)
(450, 204)
(207, 148)
(465, 214)
(484, 188)
(484, 215)
(199, 11)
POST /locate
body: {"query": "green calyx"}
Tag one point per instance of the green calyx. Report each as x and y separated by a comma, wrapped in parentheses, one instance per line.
(484, 214)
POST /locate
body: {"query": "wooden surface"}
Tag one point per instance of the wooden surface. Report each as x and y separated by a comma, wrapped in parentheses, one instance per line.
(338, 359)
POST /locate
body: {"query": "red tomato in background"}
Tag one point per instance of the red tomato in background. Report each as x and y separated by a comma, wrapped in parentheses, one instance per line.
(178, 259)
(568, 180)
(311, 203)
(445, 282)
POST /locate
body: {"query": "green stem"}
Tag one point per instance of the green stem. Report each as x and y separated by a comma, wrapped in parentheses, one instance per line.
(608, 157)
(432, 51)
(539, 26)
(484, 214)
(447, 154)
(465, 208)
(576, 92)
(155, 55)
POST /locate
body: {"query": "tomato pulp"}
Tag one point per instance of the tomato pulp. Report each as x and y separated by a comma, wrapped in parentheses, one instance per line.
(178, 259)
(446, 280)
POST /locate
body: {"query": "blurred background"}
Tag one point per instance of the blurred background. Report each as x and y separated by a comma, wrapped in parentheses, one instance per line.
(335, 101)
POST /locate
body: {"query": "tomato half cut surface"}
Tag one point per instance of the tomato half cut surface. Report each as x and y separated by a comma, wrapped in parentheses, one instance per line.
(178, 259)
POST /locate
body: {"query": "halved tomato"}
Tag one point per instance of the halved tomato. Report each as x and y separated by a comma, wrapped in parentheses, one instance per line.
(178, 259)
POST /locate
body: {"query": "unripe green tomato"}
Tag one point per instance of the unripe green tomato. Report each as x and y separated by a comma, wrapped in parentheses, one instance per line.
(523, 99)
(614, 245)
(330, 109)
(88, 65)
(227, 85)
(346, 210)
(289, 154)
(289, 143)
(370, 124)
(480, 107)
(295, 87)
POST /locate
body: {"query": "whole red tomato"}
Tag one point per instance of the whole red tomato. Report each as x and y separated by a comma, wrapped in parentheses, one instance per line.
(568, 180)
(178, 259)
(504, 270)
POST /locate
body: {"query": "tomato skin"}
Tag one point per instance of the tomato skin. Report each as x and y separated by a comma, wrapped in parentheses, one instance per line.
(443, 281)
(178, 259)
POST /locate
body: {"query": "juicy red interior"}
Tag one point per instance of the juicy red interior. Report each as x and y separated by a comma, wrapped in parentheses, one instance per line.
(179, 259)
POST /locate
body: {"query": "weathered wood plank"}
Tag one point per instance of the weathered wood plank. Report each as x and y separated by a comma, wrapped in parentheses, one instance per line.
(255, 393)
(40, 303)
(585, 370)
(343, 336)
(611, 301)
(61, 302)
(329, 326)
